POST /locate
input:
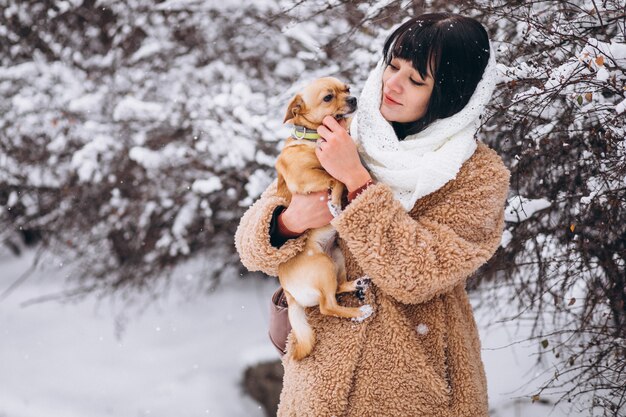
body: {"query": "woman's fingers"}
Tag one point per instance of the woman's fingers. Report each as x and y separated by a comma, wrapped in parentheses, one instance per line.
(331, 123)
(324, 132)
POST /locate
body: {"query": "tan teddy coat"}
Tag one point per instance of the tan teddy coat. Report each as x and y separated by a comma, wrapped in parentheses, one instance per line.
(419, 353)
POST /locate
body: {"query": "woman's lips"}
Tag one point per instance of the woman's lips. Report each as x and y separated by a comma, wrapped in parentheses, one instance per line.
(389, 100)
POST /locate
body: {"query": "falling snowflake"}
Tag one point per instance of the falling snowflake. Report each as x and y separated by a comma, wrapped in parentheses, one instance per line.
(421, 328)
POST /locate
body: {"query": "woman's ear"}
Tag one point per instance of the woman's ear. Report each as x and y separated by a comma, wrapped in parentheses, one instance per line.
(296, 107)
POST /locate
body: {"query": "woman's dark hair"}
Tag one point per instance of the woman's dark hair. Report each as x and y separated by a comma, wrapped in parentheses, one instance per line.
(457, 48)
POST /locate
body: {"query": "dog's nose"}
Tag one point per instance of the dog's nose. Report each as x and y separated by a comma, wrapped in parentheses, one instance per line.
(351, 101)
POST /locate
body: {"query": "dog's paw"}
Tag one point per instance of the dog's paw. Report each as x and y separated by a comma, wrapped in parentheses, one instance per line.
(363, 282)
(334, 210)
(366, 311)
(361, 285)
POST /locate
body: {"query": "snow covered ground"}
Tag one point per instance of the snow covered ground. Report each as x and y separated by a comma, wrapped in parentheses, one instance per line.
(182, 356)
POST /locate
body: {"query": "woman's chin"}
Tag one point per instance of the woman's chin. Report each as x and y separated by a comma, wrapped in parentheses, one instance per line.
(392, 115)
(388, 114)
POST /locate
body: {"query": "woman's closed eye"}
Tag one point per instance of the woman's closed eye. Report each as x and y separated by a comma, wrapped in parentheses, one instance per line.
(396, 68)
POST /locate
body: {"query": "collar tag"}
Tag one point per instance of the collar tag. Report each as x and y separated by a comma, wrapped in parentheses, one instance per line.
(301, 132)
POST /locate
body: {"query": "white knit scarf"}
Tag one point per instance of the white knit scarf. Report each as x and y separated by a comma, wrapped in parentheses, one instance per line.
(425, 161)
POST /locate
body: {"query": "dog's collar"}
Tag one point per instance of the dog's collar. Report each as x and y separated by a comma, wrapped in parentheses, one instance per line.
(301, 132)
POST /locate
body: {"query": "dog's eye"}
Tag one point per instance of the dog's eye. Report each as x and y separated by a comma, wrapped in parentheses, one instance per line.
(328, 98)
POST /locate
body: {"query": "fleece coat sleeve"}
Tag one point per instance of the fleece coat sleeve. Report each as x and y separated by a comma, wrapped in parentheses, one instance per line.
(416, 258)
(252, 238)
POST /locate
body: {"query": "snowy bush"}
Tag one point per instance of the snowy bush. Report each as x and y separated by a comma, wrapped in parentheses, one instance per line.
(556, 120)
(130, 132)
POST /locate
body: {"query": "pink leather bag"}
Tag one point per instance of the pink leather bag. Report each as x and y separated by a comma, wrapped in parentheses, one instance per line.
(279, 321)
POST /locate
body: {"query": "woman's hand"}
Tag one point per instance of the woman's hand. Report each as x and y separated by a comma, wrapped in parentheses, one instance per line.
(307, 211)
(338, 154)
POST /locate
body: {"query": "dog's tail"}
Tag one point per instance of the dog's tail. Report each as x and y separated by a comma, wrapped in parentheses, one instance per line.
(304, 337)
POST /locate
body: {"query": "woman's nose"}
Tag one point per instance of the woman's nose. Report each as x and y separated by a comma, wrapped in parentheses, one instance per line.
(394, 84)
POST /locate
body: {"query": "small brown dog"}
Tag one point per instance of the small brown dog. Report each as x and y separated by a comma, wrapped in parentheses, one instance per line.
(318, 273)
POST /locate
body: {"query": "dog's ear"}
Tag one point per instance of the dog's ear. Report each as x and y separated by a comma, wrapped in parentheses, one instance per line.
(296, 106)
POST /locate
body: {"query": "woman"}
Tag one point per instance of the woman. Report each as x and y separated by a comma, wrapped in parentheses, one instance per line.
(425, 210)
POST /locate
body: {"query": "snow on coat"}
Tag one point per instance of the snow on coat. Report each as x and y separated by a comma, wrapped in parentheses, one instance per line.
(418, 354)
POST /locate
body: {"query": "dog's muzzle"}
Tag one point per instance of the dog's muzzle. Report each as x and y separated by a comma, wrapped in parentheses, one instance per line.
(351, 104)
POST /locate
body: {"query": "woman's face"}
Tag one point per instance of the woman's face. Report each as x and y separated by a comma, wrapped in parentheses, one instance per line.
(405, 93)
